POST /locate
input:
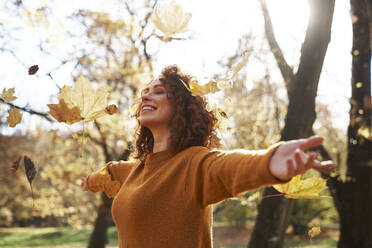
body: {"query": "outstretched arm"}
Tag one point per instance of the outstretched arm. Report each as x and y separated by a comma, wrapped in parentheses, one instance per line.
(290, 159)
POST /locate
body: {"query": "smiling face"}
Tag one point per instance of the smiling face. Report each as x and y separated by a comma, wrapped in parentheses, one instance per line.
(155, 108)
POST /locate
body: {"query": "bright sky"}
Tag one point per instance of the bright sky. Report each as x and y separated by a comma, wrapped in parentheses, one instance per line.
(216, 26)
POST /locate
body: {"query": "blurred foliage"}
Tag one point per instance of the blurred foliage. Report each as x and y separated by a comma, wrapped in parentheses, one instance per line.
(114, 52)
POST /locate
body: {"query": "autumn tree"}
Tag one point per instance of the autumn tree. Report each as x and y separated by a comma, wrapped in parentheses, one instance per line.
(355, 194)
(109, 52)
(274, 214)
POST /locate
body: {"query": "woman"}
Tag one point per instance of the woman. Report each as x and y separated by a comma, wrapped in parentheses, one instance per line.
(165, 196)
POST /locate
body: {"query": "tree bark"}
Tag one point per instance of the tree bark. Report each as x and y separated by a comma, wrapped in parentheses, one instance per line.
(98, 238)
(273, 214)
(356, 193)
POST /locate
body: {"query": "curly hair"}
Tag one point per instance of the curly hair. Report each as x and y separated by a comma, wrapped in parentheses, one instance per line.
(191, 124)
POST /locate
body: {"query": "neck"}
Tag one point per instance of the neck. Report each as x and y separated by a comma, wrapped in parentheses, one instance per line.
(161, 139)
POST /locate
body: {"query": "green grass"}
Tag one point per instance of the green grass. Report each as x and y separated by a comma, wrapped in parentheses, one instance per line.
(69, 237)
(50, 237)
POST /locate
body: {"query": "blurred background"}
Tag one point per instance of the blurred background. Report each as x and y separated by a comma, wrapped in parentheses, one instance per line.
(308, 72)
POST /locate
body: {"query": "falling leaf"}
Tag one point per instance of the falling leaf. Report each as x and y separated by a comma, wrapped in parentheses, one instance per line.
(354, 19)
(170, 19)
(15, 165)
(8, 95)
(365, 132)
(111, 109)
(199, 90)
(33, 69)
(297, 188)
(314, 231)
(91, 104)
(227, 82)
(222, 113)
(62, 113)
(14, 117)
(30, 169)
(30, 173)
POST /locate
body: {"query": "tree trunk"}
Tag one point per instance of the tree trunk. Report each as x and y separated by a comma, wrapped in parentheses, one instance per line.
(356, 193)
(98, 238)
(273, 214)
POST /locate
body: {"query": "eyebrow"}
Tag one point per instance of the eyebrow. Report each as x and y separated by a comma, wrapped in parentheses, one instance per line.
(155, 86)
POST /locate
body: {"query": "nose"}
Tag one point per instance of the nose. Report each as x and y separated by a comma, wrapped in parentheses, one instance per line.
(146, 96)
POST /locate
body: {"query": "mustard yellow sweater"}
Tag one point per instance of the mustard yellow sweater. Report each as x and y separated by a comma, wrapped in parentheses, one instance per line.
(165, 201)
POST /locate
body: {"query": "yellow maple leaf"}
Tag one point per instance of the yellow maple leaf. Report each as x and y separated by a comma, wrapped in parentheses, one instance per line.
(314, 231)
(92, 104)
(199, 90)
(8, 95)
(111, 187)
(297, 188)
(170, 19)
(62, 113)
(14, 117)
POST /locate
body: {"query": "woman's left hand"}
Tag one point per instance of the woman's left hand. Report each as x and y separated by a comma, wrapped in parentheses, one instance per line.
(290, 159)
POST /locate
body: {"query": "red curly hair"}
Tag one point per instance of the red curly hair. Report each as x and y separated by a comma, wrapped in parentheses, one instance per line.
(191, 124)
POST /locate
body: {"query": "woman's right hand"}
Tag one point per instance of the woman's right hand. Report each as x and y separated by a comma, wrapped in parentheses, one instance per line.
(84, 184)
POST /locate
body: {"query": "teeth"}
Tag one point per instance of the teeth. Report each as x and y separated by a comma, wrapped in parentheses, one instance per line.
(148, 108)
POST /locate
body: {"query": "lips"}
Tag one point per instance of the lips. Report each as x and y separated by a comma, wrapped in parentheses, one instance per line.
(148, 108)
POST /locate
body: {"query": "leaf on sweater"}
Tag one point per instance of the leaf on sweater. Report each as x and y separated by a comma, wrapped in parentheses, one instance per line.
(170, 19)
(111, 187)
(8, 95)
(314, 231)
(62, 113)
(91, 104)
(308, 188)
(14, 117)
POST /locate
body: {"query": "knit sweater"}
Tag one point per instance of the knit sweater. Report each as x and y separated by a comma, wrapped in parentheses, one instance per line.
(166, 200)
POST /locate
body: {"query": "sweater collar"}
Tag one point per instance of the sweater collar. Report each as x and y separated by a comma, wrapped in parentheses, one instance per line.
(158, 157)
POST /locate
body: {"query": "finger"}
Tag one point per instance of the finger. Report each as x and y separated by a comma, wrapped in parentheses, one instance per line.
(291, 171)
(310, 161)
(312, 141)
(323, 166)
(300, 167)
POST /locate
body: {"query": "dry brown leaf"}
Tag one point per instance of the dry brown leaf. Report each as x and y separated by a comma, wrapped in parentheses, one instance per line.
(8, 95)
(62, 113)
(111, 109)
(14, 117)
(33, 69)
(92, 104)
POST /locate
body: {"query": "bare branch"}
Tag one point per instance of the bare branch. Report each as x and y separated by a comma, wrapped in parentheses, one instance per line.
(285, 69)
(28, 110)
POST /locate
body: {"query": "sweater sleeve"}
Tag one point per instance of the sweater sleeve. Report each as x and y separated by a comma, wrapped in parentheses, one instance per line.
(118, 170)
(229, 174)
